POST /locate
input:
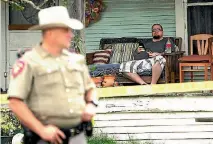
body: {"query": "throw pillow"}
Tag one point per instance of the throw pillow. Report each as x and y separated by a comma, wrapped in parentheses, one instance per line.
(102, 57)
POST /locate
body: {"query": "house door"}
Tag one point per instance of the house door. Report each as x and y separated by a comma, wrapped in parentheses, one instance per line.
(199, 18)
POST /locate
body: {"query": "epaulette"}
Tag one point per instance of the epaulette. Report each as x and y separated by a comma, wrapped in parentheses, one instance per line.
(21, 52)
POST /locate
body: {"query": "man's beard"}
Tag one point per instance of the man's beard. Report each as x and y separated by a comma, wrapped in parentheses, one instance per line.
(156, 37)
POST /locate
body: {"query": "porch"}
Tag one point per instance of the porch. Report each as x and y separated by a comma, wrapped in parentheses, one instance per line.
(158, 114)
(126, 19)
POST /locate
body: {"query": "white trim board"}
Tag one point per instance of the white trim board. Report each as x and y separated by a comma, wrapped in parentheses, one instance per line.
(180, 24)
(3, 47)
(200, 4)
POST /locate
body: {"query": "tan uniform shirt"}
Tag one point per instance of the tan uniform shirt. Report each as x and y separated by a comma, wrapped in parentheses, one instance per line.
(52, 87)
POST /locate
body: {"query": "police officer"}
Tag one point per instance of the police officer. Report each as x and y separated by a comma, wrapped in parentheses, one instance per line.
(50, 88)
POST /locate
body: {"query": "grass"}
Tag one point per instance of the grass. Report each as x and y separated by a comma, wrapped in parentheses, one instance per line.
(105, 139)
(101, 139)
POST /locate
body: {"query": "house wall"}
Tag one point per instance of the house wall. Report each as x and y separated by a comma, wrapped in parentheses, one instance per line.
(20, 39)
(156, 119)
(11, 41)
(124, 18)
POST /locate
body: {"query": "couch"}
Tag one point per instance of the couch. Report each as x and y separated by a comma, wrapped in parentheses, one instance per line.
(120, 50)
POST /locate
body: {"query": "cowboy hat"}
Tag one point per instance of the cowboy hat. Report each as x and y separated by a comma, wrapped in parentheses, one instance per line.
(54, 17)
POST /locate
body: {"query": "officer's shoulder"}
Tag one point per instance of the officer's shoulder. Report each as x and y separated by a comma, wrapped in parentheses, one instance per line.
(28, 57)
(78, 56)
(74, 56)
(28, 54)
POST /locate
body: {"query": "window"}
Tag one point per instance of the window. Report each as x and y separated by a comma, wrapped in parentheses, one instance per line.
(22, 20)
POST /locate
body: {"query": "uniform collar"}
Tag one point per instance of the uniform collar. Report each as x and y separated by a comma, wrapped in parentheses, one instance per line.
(41, 51)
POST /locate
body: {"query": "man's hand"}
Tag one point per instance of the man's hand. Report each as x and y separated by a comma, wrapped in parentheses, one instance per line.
(52, 134)
(154, 54)
(48, 133)
(140, 49)
(89, 112)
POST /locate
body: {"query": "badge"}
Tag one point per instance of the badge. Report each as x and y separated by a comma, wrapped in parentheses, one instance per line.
(18, 68)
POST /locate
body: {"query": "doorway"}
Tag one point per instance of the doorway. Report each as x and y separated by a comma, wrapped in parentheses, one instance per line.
(199, 18)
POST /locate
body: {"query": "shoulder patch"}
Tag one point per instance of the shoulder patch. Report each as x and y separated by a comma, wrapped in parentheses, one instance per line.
(18, 68)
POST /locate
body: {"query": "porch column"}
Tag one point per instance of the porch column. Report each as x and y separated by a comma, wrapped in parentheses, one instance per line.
(76, 9)
(180, 22)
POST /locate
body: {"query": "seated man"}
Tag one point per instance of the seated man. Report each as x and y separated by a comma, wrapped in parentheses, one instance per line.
(151, 59)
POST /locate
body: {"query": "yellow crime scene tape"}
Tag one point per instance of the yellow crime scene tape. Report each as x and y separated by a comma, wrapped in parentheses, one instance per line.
(149, 89)
(154, 89)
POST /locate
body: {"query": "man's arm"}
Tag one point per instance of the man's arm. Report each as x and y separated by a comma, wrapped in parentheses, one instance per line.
(25, 115)
(19, 90)
(90, 96)
(90, 109)
(20, 86)
(90, 92)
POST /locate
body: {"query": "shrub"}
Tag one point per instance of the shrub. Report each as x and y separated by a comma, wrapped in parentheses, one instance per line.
(10, 125)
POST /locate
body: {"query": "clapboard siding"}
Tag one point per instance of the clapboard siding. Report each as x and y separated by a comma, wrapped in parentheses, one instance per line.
(148, 116)
(156, 119)
(159, 104)
(161, 122)
(157, 129)
(125, 18)
(194, 141)
(21, 40)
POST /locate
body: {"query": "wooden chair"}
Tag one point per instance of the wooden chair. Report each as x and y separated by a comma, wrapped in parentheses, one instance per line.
(202, 59)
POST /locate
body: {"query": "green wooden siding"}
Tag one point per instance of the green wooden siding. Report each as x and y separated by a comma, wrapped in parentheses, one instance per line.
(131, 18)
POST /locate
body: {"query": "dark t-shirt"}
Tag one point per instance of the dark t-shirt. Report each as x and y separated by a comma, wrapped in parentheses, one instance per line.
(141, 55)
(149, 45)
(158, 46)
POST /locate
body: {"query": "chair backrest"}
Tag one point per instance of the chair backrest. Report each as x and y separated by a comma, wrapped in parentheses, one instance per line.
(210, 44)
(202, 43)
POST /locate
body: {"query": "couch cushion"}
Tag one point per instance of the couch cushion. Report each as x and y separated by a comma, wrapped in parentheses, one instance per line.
(116, 53)
(127, 51)
(102, 57)
(122, 52)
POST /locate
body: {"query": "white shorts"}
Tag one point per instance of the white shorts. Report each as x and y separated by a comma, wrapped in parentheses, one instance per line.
(139, 66)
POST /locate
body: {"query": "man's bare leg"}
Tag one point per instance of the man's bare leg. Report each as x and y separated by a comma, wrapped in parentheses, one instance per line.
(135, 77)
(156, 72)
